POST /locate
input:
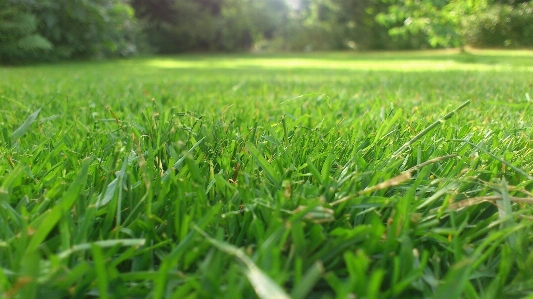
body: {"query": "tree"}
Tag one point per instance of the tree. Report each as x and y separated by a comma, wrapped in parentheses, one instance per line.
(339, 24)
(19, 38)
(501, 25)
(209, 25)
(89, 28)
(355, 24)
(439, 20)
(30, 29)
(179, 25)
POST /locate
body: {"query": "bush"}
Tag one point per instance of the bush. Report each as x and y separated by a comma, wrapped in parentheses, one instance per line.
(30, 29)
(208, 25)
(19, 39)
(83, 28)
(501, 26)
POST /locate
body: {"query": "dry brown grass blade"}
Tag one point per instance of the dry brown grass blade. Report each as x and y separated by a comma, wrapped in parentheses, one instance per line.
(395, 181)
(477, 200)
(317, 214)
(431, 161)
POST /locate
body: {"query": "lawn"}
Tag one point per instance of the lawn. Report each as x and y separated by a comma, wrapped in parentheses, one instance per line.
(319, 175)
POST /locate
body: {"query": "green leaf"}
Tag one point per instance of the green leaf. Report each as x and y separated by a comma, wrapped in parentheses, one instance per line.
(10, 179)
(30, 270)
(102, 244)
(308, 282)
(269, 171)
(263, 285)
(504, 213)
(26, 125)
(179, 163)
(326, 168)
(110, 191)
(455, 280)
(314, 171)
(34, 42)
(52, 217)
(178, 251)
(101, 273)
(105, 198)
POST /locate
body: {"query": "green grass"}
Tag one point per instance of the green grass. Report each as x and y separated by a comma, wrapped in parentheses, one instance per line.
(329, 175)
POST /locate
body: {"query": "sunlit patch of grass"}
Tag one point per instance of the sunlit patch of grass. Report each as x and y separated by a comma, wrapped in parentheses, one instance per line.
(322, 175)
(405, 62)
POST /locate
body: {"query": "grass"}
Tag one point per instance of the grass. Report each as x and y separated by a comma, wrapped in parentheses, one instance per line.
(330, 175)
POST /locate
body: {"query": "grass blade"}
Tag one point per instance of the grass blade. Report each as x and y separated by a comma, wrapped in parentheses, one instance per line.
(101, 273)
(26, 125)
(465, 203)
(308, 281)
(55, 214)
(505, 211)
(520, 171)
(455, 281)
(178, 163)
(30, 275)
(263, 285)
(395, 181)
(106, 197)
(109, 193)
(428, 129)
(9, 179)
(101, 244)
(269, 171)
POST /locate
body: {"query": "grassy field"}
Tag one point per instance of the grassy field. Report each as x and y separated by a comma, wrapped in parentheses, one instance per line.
(322, 175)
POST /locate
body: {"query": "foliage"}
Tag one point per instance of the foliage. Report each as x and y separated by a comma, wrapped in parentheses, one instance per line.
(440, 21)
(234, 25)
(209, 25)
(501, 26)
(242, 176)
(73, 28)
(37, 30)
(89, 28)
(339, 25)
(19, 38)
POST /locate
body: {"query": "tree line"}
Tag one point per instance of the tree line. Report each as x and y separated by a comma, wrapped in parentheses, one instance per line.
(50, 30)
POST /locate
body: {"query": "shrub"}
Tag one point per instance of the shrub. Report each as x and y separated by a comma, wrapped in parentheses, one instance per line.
(82, 28)
(19, 39)
(501, 26)
(30, 29)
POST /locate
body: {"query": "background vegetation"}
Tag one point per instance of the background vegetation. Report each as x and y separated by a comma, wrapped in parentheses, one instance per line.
(52, 30)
